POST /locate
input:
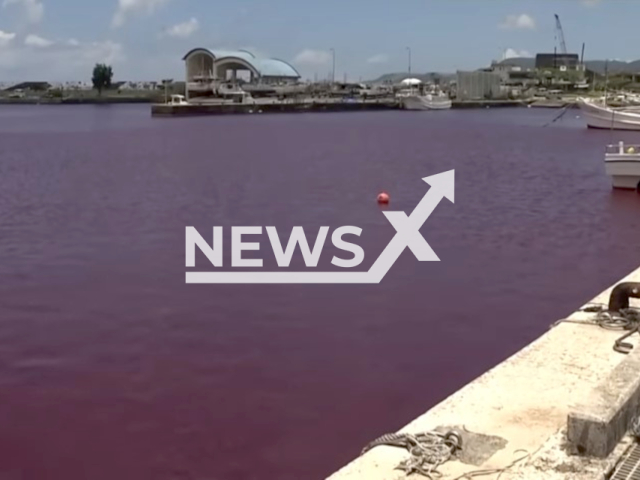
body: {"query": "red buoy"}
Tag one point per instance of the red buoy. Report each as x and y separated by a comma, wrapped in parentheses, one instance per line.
(383, 197)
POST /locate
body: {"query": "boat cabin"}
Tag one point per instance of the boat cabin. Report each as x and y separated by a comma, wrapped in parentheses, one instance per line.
(178, 100)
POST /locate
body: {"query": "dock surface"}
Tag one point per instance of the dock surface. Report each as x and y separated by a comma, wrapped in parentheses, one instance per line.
(524, 403)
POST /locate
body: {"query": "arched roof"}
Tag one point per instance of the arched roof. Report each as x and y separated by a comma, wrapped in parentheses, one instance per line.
(266, 67)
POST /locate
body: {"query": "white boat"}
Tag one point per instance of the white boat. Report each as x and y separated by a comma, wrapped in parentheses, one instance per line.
(599, 115)
(426, 102)
(622, 164)
(414, 96)
(233, 91)
(177, 100)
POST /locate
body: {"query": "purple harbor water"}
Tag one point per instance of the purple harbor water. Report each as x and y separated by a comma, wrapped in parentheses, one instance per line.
(111, 367)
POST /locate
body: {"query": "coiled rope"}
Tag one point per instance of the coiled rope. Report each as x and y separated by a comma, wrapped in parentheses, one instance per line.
(429, 450)
(627, 319)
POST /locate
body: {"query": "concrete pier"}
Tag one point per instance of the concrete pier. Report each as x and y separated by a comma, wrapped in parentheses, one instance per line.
(227, 108)
(568, 380)
(306, 106)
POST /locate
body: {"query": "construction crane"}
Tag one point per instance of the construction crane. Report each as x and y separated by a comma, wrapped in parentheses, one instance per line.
(560, 33)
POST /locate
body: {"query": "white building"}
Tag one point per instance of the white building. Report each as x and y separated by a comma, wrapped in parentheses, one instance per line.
(205, 68)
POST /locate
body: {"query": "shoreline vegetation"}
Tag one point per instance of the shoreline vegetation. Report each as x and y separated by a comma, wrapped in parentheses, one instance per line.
(84, 98)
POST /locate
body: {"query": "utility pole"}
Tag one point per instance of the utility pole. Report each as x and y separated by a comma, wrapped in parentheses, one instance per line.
(333, 70)
(606, 80)
(409, 52)
(167, 82)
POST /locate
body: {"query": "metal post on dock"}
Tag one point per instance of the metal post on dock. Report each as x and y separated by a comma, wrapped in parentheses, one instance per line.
(166, 83)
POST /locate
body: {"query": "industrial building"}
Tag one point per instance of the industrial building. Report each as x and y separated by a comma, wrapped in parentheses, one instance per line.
(207, 68)
(562, 61)
(478, 85)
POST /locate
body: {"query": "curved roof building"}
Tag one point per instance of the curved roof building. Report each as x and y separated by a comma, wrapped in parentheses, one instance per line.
(207, 64)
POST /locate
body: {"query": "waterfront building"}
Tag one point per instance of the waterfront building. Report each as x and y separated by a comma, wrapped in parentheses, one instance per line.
(205, 69)
(561, 61)
(478, 85)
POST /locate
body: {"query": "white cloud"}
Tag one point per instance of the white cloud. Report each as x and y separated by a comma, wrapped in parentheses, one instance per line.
(36, 41)
(61, 60)
(256, 52)
(512, 53)
(522, 21)
(380, 58)
(127, 8)
(33, 9)
(313, 57)
(96, 52)
(6, 38)
(184, 29)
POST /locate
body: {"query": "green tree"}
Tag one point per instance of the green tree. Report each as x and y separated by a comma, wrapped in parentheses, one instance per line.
(102, 75)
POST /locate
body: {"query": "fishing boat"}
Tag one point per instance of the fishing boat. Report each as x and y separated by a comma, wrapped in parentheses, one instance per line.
(414, 96)
(178, 100)
(622, 164)
(430, 101)
(598, 114)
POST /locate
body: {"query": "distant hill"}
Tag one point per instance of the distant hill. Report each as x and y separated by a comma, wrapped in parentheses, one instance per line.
(598, 66)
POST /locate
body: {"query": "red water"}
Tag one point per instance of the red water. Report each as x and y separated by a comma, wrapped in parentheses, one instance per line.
(111, 367)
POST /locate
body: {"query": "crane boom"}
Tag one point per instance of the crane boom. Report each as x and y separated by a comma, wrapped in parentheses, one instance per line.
(563, 45)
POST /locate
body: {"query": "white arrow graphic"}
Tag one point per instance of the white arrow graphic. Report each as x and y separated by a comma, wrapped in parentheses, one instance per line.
(407, 235)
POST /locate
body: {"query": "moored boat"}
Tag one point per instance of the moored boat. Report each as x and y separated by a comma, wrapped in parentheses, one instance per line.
(622, 164)
(426, 102)
(598, 114)
(178, 100)
(415, 96)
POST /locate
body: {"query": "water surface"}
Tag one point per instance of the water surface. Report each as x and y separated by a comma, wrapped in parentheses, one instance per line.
(111, 367)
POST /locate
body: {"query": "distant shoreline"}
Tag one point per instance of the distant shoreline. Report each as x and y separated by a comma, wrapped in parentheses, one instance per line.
(76, 101)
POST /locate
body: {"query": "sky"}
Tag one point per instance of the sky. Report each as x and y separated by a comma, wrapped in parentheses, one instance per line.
(61, 40)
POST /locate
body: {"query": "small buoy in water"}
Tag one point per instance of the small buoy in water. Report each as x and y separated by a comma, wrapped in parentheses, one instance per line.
(383, 197)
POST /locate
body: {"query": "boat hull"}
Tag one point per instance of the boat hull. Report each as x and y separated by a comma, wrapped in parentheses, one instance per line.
(624, 170)
(601, 117)
(416, 102)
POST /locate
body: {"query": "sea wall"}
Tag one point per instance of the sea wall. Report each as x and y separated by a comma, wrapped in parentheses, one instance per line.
(520, 409)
